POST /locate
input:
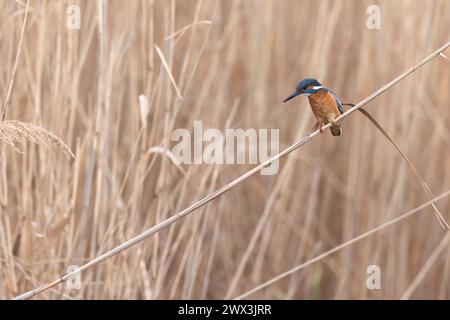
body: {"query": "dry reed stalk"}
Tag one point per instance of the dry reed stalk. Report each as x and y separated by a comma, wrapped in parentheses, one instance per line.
(416, 172)
(426, 267)
(346, 244)
(179, 215)
(14, 132)
(16, 62)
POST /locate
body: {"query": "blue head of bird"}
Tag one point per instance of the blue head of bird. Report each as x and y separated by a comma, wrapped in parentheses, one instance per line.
(305, 87)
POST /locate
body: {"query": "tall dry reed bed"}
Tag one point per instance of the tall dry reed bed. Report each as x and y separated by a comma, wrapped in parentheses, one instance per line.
(84, 85)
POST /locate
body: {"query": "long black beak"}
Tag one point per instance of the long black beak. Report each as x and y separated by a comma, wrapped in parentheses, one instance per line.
(296, 93)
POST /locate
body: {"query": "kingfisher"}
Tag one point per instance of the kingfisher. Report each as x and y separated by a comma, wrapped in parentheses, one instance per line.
(325, 104)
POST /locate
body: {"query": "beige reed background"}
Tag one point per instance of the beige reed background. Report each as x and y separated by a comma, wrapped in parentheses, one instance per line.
(232, 63)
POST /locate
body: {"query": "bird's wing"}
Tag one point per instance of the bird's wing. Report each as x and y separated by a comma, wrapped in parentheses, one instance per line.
(338, 101)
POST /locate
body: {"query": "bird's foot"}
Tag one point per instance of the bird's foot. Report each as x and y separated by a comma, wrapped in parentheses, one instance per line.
(335, 122)
(321, 127)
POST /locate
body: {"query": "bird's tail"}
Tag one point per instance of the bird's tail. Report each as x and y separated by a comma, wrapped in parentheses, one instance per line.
(335, 130)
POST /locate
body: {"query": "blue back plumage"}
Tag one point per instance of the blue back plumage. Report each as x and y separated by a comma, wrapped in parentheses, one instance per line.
(338, 101)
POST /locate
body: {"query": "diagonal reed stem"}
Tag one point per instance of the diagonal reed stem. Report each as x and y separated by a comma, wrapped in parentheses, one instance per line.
(342, 246)
(179, 215)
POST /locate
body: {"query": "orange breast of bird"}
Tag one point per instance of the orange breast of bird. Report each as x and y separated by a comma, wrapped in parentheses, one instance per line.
(324, 106)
